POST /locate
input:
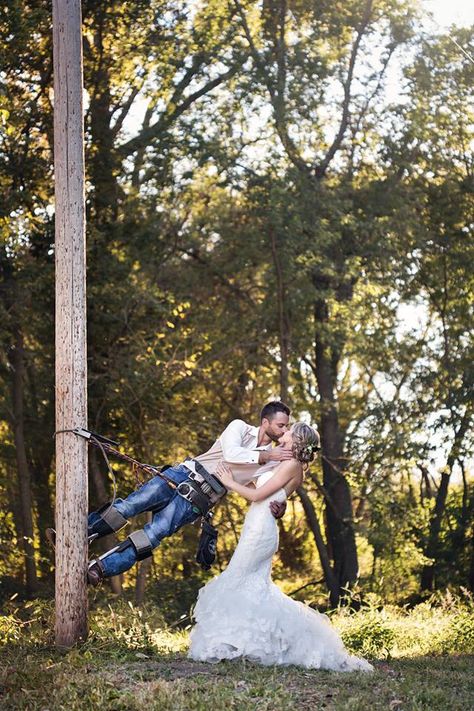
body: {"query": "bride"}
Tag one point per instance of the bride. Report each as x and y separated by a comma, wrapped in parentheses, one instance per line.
(242, 613)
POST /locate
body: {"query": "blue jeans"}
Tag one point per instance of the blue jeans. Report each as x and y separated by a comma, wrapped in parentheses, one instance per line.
(171, 512)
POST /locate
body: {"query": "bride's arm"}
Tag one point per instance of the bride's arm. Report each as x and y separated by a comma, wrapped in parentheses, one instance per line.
(284, 473)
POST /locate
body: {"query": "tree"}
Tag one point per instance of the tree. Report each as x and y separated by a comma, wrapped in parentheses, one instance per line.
(325, 188)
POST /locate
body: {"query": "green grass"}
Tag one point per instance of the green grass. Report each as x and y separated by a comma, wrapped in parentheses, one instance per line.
(131, 661)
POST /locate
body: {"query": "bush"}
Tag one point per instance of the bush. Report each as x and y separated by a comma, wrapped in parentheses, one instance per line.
(460, 636)
(33, 620)
(369, 636)
(10, 629)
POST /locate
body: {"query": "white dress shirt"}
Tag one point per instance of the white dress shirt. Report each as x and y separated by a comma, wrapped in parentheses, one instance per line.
(238, 447)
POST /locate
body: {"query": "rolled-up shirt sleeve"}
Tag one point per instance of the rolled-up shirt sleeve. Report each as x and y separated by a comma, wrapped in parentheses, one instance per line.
(231, 441)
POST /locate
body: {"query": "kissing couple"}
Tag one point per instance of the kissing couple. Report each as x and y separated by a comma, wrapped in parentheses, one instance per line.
(241, 612)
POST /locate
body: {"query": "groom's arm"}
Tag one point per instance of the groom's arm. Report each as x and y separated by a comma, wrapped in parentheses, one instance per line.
(234, 452)
(231, 442)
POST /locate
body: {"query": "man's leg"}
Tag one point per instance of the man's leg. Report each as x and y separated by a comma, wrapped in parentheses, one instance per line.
(151, 496)
(139, 545)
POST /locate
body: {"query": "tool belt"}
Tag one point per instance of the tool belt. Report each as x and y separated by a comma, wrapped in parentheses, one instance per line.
(202, 489)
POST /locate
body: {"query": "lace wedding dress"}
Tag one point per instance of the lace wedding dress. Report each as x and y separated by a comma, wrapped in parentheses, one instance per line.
(242, 613)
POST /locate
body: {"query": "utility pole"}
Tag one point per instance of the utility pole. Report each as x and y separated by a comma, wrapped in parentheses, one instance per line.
(71, 364)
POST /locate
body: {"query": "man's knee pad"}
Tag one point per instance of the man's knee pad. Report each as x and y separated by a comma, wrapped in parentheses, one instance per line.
(111, 518)
(141, 543)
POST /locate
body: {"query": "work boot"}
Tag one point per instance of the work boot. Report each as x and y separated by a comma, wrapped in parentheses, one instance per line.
(95, 573)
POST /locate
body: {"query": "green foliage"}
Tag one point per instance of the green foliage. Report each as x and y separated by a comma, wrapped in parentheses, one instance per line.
(217, 221)
(126, 625)
(397, 525)
(33, 620)
(370, 637)
(131, 660)
(440, 626)
(463, 633)
(10, 629)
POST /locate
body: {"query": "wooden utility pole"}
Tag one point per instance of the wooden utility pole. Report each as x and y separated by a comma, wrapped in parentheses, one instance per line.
(71, 365)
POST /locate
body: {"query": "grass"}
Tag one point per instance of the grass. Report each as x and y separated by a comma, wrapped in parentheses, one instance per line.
(131, 661)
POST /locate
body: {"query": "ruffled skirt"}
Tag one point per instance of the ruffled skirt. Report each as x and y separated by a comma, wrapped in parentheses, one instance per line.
(252, 618)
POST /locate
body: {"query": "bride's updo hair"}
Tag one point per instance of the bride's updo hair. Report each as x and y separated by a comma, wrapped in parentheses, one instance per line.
(306, 442)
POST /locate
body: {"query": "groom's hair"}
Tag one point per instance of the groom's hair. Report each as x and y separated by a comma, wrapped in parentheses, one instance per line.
(271, 408)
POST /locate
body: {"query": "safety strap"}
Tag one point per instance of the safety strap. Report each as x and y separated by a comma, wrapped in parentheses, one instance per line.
(112, 517)
(141, 543)
(106, 445)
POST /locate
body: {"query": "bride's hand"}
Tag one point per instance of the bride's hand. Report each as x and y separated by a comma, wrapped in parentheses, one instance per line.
(224, 473)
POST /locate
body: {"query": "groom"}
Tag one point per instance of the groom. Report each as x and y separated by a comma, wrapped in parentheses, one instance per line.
(244, 447)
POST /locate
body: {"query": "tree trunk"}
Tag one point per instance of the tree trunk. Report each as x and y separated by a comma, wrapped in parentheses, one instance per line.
(329, 577)
(339, 517)
(283, 319)
(24, 478)
(238, 395)
(103, 161)
(24, 519)
(45, 511)
(40, 457)
(432, 548)
(14, 506)
(426, 491)
(470, 581)
(140, 584)
(71, 363)
(97, 477)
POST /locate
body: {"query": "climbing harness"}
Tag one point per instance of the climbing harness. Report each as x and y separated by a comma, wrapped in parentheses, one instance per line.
(202, 489)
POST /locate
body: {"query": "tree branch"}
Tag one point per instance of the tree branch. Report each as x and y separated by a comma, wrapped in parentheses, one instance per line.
(323, 166)
(276, 95)
(125, 109)
(173, 112)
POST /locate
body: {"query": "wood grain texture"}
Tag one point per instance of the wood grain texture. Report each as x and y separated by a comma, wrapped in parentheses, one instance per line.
(71, 364)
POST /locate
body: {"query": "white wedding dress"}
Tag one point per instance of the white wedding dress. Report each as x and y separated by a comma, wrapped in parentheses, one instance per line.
(242, 613)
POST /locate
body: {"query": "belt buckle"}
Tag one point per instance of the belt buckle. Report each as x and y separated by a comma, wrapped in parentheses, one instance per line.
(183, 490)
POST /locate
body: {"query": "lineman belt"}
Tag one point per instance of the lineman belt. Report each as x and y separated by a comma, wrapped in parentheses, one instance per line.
(202, 489)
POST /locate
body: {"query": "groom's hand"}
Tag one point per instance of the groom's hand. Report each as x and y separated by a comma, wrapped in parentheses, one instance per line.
(277, 454)
(278, 508)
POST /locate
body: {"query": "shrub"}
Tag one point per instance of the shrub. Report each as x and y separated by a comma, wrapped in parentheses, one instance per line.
(460, 637)
(368, 635)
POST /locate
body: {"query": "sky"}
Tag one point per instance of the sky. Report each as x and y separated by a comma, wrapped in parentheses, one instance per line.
(447, 12)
